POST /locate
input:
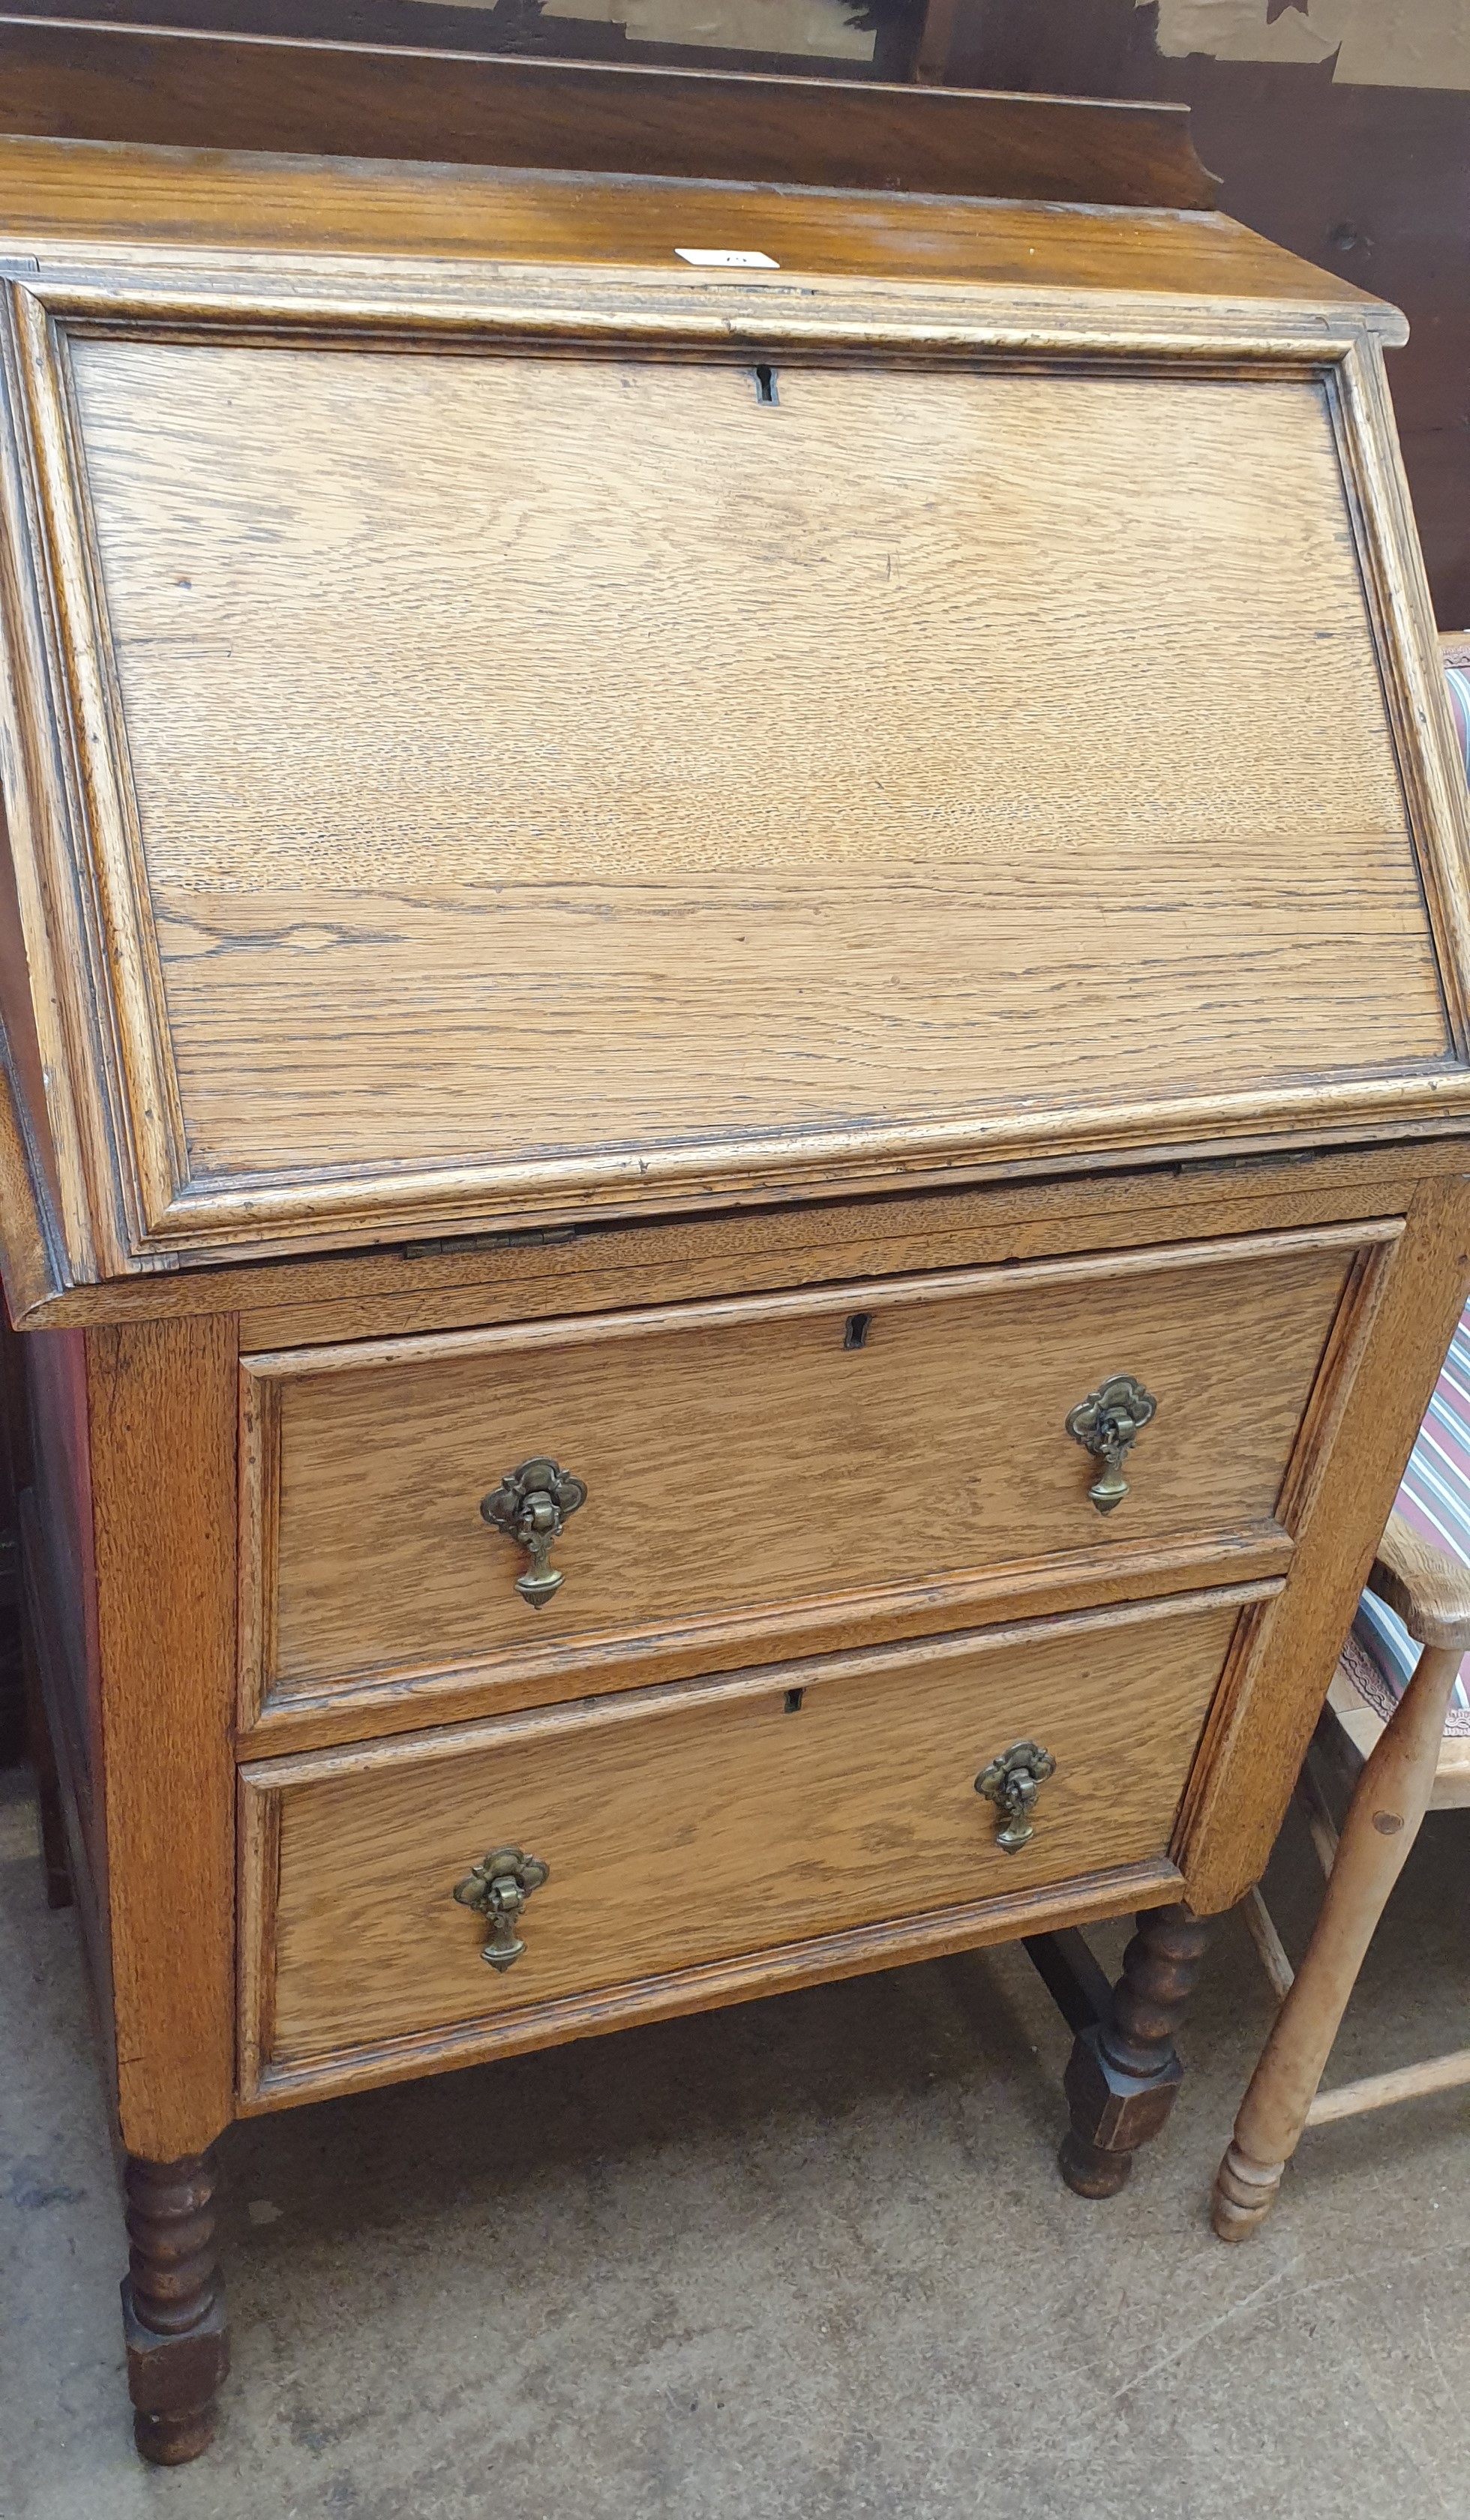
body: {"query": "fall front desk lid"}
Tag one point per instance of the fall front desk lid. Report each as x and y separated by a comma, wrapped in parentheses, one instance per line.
(475, 771)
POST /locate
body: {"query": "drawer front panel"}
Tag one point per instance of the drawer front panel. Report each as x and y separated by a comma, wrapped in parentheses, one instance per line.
(681, 1826)
(748, 1454)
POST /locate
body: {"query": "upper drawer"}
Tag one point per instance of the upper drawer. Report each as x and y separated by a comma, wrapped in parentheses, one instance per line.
(746, 1457)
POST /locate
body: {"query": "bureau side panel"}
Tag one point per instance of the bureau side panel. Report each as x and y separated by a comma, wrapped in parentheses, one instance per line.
(1391, 1345)
(65, 1573)
(60, 1593)
(160, 1405)
(28, 1213)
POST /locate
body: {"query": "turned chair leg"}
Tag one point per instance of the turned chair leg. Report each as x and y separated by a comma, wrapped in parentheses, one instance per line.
(1123, 2073)
(173, 2310)
(1383, 1820)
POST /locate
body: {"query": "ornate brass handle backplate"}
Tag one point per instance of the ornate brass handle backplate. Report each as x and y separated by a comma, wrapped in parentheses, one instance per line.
(1013, 1784)
(530, 1507)
(1106, 1424)
(498, 1889)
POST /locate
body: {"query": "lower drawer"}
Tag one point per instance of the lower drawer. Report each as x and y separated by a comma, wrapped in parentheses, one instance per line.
(685, 1825)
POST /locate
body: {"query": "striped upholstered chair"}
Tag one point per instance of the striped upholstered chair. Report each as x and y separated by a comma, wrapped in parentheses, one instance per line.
(1395, 1731)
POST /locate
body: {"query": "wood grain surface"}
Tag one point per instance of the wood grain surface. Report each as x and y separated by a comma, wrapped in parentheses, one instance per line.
(374, 1705)
(637, 765)
(1406, 1304)
(57, 1410)
(744, 1255)
(160, 1421)
(703, 1823)
(1428, 1586)
(1119, 1890)
(274, 203)
(1382, 2090)
(1382, 1822)
(741, 1455)
(206, 91)
(65, 1751)
(605, 1264)
(472, 759)
(580, 750)
(1357, 1731)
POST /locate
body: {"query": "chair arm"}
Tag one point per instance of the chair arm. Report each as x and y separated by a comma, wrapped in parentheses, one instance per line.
(1428, 1588)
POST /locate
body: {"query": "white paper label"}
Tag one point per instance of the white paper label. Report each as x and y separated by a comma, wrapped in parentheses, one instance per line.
(718, 257)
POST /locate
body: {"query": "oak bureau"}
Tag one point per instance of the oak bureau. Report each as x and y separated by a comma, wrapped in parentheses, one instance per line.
(737, 1106)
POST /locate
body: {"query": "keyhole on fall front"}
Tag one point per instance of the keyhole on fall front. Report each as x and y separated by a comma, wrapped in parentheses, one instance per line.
(857, 1327)
(764, 385)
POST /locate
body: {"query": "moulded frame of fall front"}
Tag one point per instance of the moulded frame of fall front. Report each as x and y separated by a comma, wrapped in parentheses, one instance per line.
(128, 1197)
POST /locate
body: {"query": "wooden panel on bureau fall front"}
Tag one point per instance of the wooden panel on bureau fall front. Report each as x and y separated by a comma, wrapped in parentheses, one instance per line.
(743, 1455)
(675, 736)
(686, 1826)
(665, 768)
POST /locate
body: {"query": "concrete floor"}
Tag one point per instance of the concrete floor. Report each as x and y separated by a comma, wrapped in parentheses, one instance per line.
(806, 2258)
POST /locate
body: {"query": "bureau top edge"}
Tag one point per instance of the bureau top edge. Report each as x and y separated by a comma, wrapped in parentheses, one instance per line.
(65, 202)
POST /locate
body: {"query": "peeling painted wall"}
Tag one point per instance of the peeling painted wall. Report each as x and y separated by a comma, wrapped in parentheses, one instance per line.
(795, 27)
(814, 29)
(1340, 128)
(1377, 43)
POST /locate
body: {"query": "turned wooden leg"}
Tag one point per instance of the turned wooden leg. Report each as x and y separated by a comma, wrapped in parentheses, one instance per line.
(173, 2312)
(1123, 2073)
(1383, 1820)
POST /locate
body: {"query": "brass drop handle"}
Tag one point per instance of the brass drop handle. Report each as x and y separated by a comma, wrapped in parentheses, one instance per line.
(498, 1889)
(530, 1507)
(1106, 1424)
(1012, 1782)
